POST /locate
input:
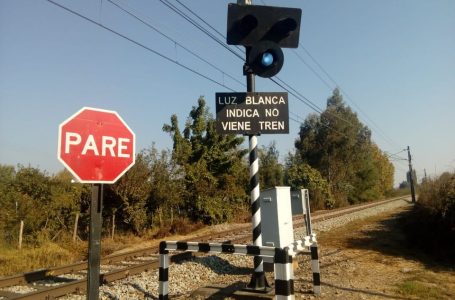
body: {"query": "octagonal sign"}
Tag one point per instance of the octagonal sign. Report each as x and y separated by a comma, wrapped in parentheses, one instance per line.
(96, 145)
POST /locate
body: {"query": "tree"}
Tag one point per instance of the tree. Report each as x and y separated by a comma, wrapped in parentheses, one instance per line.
(300, 175)
(385, 169)
(339, 146)
(271, 171)
(211, 164)
(167, 186)
(8, 202)
(132, 191)
(45, 203)
(68, 197)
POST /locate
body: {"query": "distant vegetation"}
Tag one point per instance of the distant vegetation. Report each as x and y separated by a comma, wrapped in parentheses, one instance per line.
(336, 155)
(432, 227)
(203, 179)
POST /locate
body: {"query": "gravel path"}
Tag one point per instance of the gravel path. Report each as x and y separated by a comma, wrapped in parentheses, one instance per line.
(214, 269)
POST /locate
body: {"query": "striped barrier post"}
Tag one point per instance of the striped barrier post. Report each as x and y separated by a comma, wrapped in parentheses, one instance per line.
(315, 268)
(163, 273)
(284, 276)
(258, 279)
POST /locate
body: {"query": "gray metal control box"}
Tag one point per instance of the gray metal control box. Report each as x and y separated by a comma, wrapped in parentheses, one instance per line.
(276, 217)
(298, 203)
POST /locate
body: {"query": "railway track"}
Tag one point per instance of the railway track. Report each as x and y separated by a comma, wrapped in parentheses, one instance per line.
(59, 281)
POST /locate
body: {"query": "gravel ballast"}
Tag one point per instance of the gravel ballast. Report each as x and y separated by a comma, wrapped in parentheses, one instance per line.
(224, 269)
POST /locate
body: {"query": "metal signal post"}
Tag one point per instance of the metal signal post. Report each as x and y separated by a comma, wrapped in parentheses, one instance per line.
(258, 280)
(263, 31)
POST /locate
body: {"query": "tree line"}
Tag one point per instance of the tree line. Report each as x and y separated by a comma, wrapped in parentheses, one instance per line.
(204, 177)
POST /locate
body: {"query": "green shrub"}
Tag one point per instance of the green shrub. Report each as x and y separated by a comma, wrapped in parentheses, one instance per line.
(432, 226)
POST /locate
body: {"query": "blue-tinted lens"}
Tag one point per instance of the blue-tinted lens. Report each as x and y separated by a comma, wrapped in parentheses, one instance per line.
(267, 59)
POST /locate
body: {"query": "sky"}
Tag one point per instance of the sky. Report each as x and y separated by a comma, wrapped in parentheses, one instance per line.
(394, 61)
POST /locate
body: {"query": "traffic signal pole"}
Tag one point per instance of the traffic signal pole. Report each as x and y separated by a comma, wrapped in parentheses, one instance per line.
(263, 30)
(258, 280)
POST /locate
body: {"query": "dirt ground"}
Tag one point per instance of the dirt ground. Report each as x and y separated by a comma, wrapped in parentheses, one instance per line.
(370, 259)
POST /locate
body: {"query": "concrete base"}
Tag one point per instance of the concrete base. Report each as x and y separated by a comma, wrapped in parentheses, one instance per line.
(235, 291)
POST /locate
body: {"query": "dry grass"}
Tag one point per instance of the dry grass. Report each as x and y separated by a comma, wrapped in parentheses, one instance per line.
(428, 285)
(376, 262)
(46, 254)
(13, 261)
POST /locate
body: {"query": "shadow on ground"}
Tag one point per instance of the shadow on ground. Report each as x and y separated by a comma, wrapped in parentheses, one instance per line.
(393, 238)
(364, 292)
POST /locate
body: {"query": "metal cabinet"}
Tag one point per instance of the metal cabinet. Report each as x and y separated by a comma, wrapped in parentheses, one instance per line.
(276, 217)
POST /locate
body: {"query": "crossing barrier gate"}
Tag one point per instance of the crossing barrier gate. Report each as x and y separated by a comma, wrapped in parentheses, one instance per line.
(282, 259)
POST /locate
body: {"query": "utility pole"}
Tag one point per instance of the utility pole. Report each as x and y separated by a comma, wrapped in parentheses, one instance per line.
(411, 177)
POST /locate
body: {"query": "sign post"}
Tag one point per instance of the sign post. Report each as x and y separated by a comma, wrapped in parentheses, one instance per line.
(94, 244)
(97, 147)
(253, 114)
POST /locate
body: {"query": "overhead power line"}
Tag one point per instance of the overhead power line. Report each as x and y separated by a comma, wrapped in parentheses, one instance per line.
(135, 15)
(313, 70)
(139, 44)
(374, 126)
(199, 26)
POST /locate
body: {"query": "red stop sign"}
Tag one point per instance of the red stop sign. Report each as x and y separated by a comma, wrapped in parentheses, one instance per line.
(96, 145)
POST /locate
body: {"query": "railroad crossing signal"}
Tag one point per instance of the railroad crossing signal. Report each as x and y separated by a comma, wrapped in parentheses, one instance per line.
(263, 30)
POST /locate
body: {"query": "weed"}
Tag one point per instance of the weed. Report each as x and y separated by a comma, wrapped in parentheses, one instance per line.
(419, 290)
(46, 255)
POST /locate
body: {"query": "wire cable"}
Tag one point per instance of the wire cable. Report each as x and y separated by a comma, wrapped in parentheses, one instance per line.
(200, 27)
(139, 44)
(374, 125)
(313, 70)
(206, 23)
(174, 41)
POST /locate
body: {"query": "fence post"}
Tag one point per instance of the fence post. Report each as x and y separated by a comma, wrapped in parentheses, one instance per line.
(113, 225)
(21, 230)
(76, 221)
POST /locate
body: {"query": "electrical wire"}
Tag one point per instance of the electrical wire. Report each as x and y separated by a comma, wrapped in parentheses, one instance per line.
(373, 124)
(135, 15)
(200, 27)
(313, 70)
(139, 44)
(206, 23)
